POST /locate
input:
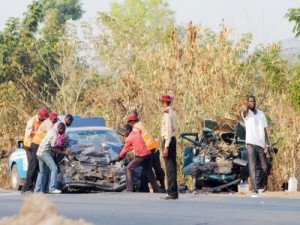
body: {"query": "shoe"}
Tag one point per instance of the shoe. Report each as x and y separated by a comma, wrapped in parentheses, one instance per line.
(55, 191)
(169, 197)
(162, 190)
(26, 192)
(262, 192)
(254, 195)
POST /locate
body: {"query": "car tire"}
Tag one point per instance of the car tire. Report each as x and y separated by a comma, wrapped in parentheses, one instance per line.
(15, 181)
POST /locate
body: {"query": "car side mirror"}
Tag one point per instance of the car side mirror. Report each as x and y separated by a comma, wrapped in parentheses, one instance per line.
(20, 144)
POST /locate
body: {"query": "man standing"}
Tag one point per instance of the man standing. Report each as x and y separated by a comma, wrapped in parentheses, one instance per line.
(31, 127)
(44, 156)
(135, 141)
(33, 166)
(168, 134)
(257, 141)
(152, 145)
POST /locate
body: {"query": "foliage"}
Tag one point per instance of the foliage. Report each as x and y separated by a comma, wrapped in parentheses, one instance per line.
(293, 15)
(139, 54)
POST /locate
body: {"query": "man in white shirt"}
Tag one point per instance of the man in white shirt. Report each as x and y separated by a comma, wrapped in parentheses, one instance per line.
(257, 141)
(168, 134)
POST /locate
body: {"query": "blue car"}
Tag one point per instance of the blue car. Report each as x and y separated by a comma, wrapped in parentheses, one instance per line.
(88, 133)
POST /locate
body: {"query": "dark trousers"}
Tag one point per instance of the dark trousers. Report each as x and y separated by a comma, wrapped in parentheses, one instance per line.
(257, 162)
(158, 170)
(171, 168)
(33, 166)
(28, 153)
(146, 163)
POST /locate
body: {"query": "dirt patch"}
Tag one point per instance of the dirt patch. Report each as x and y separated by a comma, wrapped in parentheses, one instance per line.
(37, 209)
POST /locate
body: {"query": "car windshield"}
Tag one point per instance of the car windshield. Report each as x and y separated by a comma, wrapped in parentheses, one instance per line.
(97, 135)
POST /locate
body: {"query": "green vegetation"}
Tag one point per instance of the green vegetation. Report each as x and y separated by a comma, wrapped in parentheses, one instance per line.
(139, 54)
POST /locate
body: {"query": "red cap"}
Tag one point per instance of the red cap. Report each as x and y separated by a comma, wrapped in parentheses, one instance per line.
(132, 117)
(166, 98)
(53, 115)
(43, 112)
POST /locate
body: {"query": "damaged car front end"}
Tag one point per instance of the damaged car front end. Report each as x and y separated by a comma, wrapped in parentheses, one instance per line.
(92, 166)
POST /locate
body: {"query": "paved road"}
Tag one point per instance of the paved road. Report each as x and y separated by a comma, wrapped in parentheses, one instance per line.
(142, 209)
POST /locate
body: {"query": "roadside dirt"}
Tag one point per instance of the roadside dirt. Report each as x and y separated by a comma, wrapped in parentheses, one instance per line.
(38, 210)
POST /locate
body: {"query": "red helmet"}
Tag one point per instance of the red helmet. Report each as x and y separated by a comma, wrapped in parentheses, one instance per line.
(132, 117)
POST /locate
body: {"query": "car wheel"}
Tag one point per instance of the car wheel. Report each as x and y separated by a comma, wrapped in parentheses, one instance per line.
(15, 178)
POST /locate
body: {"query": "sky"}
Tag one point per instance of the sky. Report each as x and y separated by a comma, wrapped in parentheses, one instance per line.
(263, 18)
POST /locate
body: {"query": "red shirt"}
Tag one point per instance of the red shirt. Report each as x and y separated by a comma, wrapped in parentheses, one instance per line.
(135, 141)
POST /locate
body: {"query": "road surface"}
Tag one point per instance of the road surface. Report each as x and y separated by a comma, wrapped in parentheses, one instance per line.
(147, 208)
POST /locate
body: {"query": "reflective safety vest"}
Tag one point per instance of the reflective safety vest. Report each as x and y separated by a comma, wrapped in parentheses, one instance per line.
(31, 128)
(150, 141)
(42, 131)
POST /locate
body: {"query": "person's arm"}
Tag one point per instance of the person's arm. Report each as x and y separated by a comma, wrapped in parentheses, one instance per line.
(55, 150)
(28, 129)
(245, 110)
(126, 148)
(168, 135)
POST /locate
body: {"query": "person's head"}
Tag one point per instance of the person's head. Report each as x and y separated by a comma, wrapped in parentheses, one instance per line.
(43, 114)
(251, 101)
(69, 120)
(132, 119)
(53, 117)
(128, 129)
(61, 128)
(166, 100)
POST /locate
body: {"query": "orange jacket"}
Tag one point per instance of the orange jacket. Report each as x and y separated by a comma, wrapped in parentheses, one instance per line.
(42, 131)
(150, 141)
(31, 127)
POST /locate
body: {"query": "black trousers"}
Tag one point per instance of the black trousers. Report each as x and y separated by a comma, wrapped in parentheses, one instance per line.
(146, 163)
(171, 168)
(158, 170)
(257, 167)
(33, 167)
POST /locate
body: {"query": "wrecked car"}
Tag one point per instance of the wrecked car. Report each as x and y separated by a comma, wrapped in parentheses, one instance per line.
(92, 165)
(217, 157)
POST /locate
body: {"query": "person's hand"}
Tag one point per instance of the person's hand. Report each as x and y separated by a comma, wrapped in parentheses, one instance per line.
(266, 149)
(118, 158)
(165, 153)
(68, 152)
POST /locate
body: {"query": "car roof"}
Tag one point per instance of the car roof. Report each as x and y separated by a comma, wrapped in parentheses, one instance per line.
(87, 128)
(88, 122)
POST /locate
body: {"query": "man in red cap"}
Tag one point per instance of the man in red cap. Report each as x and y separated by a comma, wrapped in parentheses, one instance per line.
(152, 145)
(32, 170)
(168, 134)
(32, 126)
(134, 141)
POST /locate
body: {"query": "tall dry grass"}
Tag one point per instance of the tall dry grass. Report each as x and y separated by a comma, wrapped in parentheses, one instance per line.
(208, 74)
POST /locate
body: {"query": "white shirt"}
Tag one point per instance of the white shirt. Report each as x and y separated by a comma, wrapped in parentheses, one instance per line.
(255, 128)
(168, 125)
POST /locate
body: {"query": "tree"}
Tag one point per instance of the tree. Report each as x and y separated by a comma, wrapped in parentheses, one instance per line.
(293, 15)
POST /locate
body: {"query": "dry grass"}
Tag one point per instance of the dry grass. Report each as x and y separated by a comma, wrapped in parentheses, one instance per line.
(208, 74)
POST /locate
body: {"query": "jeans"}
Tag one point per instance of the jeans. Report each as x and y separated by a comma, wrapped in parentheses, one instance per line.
(257, 167)
(46, 159)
